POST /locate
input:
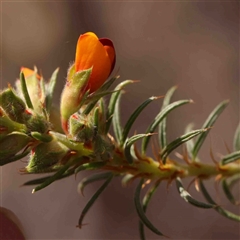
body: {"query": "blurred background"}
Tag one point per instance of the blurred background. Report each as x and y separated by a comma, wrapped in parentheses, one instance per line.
(192, 44)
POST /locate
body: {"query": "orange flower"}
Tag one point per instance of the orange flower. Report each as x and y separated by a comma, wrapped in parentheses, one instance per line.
(98, 54)
(94, 62)
(28, 72)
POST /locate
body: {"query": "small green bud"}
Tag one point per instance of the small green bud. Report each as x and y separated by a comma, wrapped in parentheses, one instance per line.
(7, 125)
(35, 90)
(46, 157)
(38, 123)
(13, 105)
(81, 129)
(72, 95)
(11, 144)
(103, 148)
(54, 119)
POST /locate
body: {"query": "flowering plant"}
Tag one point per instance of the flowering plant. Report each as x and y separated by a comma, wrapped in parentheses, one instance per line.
(75, 136)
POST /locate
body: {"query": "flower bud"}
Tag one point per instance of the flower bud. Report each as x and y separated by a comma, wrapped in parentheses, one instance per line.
(34, 86)
(7, 125)
(98, 54)
(11, 145)
(81, 129)
(13, 105)
(103, 148)
(46, 157)
(94, 62)
(37, 123)
(72, 95)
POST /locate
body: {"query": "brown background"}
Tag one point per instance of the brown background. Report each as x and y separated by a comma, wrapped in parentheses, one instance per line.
(194, 44)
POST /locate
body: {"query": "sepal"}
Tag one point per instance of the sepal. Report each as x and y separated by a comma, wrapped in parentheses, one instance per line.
(14, 106)
(7, 125)
(11, 145)
(46, 157)
(72, 95)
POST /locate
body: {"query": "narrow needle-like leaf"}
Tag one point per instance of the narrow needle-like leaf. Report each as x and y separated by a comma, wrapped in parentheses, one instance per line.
(228, 193)
(51, 179)
(41, 137)
(159, 118)
(43, 179)
(129, 143)
(58, 175)
(108, 83)
(208, 123)
(25, 91)
(50, 90)
(190, 143)
(134, 116)
(188, 198)
(89, 166)
(113, 113)
(93, 178)
(14, 158)
(236, 141)
(177, 142)
(163, 125)
(145, 203)
(220, 210)
(92, 200)
(91, 101)
(230, 158)
(141, 212)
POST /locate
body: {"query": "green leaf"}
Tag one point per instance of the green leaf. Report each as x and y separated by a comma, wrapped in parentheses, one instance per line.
(163, 113)
(96, 117)
(11, 146)
(91, 179)
(127, 178)
(113, 113)
(101, 92)
(228, 193)
(117, 128)
(50, 87)
(51, 179)
(14, 158)
(58, 175)
(190, 143)
(145, 203)
(208, 123)
(92, 100)
(108, 84)
(93, 199)
(230, 158)
(236, 141)
(233, 180)
(188, 198)
(43, 137)
(220, 210)
(162, 126)
(25, 91)
(43, 179)
(129, 143)
(141, 212)
(177, 142)
(134, 116)
(89, 166)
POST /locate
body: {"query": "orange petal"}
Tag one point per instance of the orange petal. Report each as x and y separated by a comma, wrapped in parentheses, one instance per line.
(110, 52)
(28, 72)
(108, 45)
(91, 53)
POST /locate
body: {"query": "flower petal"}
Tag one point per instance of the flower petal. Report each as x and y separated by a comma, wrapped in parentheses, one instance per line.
(108, 45)
(91, 53)
(28, 72)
